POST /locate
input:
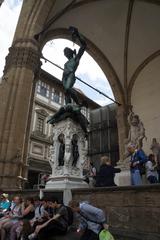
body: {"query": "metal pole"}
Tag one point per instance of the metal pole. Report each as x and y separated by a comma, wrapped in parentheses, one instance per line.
(105, 95)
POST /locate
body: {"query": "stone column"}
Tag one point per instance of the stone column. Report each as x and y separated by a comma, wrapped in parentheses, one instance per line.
(122, 178)
(1, 1)
(16, 100)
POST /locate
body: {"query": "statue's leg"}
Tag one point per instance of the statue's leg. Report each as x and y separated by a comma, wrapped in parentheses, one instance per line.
(56, 115)
(67, 97)
(73, 95)
(69, 91)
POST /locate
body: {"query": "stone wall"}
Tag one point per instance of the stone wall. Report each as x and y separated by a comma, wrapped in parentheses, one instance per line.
(132, 212)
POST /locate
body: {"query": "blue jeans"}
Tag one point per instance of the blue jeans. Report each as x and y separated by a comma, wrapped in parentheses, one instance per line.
(136, 177)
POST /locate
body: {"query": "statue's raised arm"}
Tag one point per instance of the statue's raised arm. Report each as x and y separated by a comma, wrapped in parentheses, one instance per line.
(77, 36)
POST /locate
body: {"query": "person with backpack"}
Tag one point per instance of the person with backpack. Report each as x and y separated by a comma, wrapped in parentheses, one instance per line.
(137, 164)
(56, 225)
(92, 219)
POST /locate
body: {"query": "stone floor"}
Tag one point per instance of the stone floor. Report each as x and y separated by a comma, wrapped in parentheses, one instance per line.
(68, 236)
(76, 236)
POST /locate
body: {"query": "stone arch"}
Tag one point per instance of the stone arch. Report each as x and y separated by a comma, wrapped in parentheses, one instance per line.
(137, 72)
(145, 99)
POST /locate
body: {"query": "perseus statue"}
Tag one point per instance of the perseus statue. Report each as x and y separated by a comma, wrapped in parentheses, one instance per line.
(71, 66)
(69, 109)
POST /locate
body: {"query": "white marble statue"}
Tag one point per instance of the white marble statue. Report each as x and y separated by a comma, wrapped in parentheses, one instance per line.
(136, 130)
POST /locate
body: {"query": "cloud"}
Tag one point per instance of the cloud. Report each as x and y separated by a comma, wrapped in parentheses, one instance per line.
(9, 13)
(88, 70)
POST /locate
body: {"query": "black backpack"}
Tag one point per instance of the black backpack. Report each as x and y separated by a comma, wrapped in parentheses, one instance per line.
(70, 215)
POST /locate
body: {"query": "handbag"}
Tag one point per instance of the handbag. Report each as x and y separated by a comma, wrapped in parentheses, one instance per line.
(105, 235)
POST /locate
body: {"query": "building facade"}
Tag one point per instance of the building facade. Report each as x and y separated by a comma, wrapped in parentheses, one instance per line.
(103, 135)
(49, 97)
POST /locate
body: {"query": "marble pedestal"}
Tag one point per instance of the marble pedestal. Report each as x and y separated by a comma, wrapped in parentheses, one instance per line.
(67, 177)
(124, 177)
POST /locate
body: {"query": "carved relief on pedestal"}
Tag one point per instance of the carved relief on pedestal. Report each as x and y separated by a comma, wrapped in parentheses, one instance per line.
(69, 150)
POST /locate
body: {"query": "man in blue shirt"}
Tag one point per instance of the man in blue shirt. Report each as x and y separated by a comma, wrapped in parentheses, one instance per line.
(138, 158)
(92, 220)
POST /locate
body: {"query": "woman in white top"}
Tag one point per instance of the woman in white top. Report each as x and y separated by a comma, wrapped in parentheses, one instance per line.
(151, 171)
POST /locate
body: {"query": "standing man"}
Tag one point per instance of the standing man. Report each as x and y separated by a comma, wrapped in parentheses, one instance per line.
(92, 220)
(138, 159)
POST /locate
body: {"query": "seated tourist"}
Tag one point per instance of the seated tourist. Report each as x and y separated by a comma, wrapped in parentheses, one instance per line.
(151, 172)
(57, 225)
(4, 204)
(106, 174)
(41, 214)
(12, 218)
(28, 213)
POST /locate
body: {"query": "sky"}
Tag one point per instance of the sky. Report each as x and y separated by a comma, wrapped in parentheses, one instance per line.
(88, 69)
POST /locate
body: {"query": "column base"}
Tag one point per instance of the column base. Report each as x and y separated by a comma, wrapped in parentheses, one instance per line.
(65, 185)
(123, 178)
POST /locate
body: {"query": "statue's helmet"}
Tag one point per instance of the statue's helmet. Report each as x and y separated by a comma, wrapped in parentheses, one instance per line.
(68, 52)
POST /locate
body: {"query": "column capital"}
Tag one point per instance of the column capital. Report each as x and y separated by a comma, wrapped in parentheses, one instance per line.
(27, 57)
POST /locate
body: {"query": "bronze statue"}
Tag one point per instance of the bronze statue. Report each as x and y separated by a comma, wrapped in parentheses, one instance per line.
(71, 110)
(61, 150)
(71, 65)
(75, 151)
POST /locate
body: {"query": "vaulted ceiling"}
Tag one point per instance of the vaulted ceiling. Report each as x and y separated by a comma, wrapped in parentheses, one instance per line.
(126, 32)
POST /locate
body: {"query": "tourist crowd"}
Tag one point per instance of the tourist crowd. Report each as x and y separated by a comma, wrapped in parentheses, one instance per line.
(140, 165)
(31, 218)
(43, 219)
